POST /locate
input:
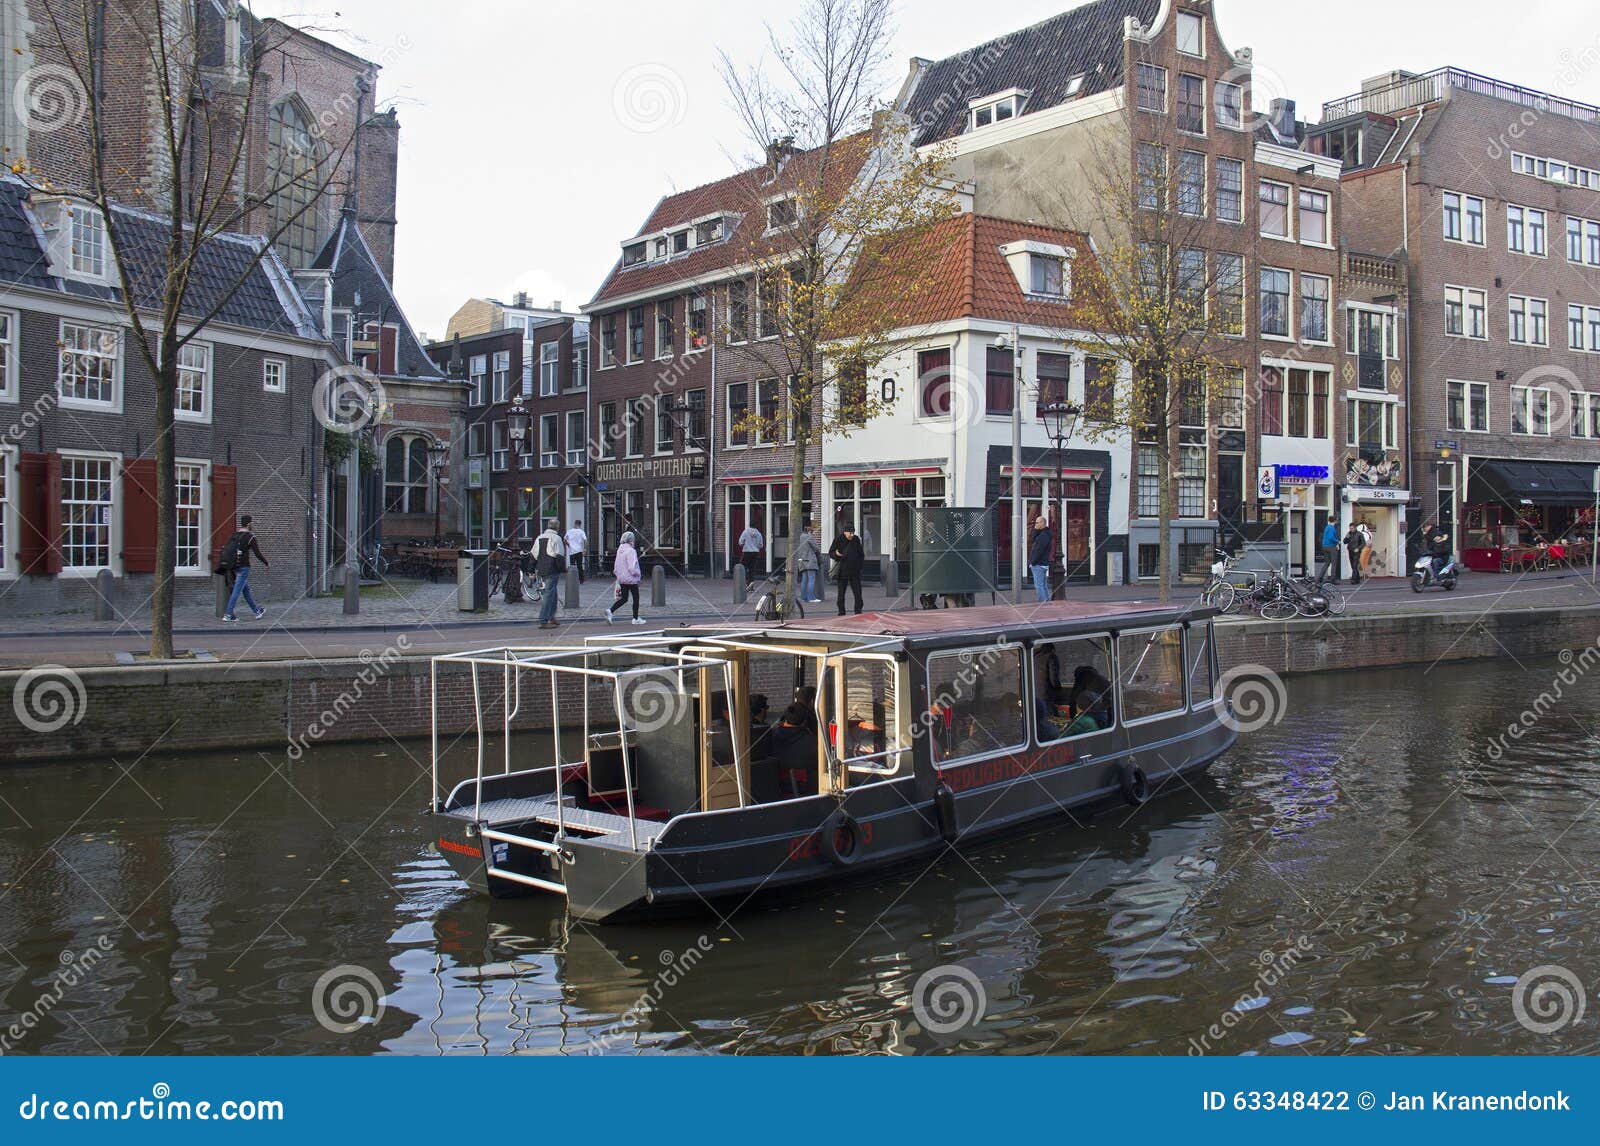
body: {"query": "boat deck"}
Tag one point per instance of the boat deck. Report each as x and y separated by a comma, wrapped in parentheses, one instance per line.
(543, 810)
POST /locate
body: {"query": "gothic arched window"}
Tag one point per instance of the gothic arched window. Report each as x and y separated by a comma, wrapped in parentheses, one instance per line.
(294, 182)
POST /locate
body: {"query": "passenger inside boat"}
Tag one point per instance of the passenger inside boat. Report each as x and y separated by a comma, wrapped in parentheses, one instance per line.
(1087, 704)
(976, 707)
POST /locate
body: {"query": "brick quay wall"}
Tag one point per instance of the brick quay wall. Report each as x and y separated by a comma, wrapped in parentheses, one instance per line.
(283, 706)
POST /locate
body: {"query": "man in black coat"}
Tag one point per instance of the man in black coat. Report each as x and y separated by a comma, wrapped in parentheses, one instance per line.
(849, 553)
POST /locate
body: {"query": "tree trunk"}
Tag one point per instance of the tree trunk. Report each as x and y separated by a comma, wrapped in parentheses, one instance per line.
(797, 500)
(166, 503)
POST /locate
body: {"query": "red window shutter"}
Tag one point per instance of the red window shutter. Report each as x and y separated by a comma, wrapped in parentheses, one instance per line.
(224, 508)
(39, 505)
(139, 516)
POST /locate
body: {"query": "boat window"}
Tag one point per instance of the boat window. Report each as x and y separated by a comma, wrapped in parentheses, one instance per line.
(871, 741)
(1198, 643)
(975, 702)
(1072, 688)
(1151, 674)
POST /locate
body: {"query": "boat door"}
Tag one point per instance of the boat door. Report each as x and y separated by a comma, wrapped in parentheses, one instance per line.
(861, 708)
(723, 722)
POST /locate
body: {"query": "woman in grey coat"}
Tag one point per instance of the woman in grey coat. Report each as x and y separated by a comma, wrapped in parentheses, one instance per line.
(807, 561)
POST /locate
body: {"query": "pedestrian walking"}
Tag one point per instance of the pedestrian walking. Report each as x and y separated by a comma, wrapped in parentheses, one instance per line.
(626, 568)
(1041, 548)
(577, 549)
(549, 563)
(1366, 549)
(751, 546)
(1330, 554)
(848, 552)
(807, 563)
(1354, 542)
(234, 566)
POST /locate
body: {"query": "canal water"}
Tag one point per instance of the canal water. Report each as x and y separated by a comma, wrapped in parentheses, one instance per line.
(1373, 874)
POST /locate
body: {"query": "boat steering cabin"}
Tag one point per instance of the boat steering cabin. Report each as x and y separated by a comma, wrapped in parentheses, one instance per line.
(672, 772)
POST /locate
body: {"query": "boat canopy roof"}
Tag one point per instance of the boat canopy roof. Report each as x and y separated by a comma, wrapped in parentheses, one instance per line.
(1021, 622)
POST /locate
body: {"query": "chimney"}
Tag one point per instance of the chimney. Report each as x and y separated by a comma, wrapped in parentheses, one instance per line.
(1282, 118)
(556, 306)
(520, 300)
(779, 152)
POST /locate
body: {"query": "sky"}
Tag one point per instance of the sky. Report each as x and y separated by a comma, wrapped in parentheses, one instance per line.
(536, 136)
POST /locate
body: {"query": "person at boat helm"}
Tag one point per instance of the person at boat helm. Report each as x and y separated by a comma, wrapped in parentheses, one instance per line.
(793, 744)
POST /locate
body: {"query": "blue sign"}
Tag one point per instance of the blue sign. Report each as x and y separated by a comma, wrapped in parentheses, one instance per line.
(1302, 475)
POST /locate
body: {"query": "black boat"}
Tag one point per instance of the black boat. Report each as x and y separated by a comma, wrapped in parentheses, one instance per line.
(892, 737)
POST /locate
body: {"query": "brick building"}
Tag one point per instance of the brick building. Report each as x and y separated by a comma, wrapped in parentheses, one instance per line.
(1489, 195)
(77, 468)
(1049, 122)
(310, 101)
(538, 366)
(679, 364)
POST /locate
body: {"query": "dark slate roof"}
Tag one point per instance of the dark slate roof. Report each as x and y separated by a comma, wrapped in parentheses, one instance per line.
(354, 268)
(266, 301)
(1086, 41)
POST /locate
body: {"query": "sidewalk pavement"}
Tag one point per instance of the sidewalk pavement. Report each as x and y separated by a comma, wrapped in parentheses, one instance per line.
(427, 614)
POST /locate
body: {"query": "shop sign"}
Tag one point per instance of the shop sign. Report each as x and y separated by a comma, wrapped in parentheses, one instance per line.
(474, 473)
(1267, 483)
(1380, 494)
(652, 469)
(1302, 475)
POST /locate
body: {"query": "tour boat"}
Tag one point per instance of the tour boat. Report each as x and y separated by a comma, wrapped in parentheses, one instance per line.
(697, 769)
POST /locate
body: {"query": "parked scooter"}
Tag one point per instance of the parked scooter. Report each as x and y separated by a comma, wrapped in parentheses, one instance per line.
(1423, 575)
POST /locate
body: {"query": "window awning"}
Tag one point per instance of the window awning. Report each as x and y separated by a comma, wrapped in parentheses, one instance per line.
(1531, 483)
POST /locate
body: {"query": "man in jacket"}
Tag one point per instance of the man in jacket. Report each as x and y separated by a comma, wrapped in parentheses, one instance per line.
(807, 561)
(751, 545)
(549, 563)
(243, 544)
(1330, 553)
(577, 547)
(1041, 547)
(1354, 542)
(848, 552)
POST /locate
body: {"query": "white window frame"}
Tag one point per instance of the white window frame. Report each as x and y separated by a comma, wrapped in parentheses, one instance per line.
(202, 568)
(1327, 217)
(577, 454)
(1585, 411)
(112, 404)
(1541, 250)
(8, 517)
(1205, 112)
(1216, 184)
(281, 366)
(11, 345)
(1467, 294)
(113, 530)
(1290, 329)
(1391, 329)
(1327, 309)
(549, 369)
(1464, 214)
(1166, 88)
(1525, 312)
(205, 371)
(500, 377)
(1526, 402)
(549, 459)
(1195, 22)
(1178, 184)
(1288, 211)
(1219, 108)
(93, 267)
(1466, 406)
(478, 380)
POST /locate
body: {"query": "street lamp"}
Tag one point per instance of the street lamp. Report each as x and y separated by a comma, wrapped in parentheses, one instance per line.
(438, 462)
(1061, 423)
(517, 418)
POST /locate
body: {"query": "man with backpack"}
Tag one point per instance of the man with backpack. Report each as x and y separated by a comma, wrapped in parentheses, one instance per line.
(234, 565)
(549, 563)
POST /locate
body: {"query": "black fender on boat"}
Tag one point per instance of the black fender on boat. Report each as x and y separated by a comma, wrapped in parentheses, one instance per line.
(944, 806)
(841, 824)
(1134, 783)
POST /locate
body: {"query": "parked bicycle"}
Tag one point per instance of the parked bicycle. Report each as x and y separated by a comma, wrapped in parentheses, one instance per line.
(773, 604)
(511, 572)
(1223, 591)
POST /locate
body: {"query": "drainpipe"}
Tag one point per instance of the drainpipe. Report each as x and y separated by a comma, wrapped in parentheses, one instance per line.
(1017, 524)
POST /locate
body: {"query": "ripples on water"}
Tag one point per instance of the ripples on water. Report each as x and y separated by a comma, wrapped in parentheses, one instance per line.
(1397, 862)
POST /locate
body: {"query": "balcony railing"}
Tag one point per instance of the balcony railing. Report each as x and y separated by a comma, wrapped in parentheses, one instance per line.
(1414, 91)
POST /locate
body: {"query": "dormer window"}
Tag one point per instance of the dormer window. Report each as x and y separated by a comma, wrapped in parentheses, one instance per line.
(634, 254)
(86, 241)
(1074, 85)
(1047, 275)
(661, 248)
(781, 213)
(711, 231)
(998, 108)
(680, 242)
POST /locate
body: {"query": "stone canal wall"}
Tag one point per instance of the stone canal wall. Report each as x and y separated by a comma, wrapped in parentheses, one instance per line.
(289, 707)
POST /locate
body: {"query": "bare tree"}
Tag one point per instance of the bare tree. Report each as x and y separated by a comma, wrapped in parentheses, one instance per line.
(205, 182)
(1161, 296)
(842, 185)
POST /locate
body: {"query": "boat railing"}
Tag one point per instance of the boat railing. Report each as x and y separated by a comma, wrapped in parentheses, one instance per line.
(579, 663)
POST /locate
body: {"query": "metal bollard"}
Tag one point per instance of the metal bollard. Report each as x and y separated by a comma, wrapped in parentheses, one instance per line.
(658, 587)
(571, 596)
(104, 583)
(741, 585)
(224, 589)
(890, 576)
(352, 591)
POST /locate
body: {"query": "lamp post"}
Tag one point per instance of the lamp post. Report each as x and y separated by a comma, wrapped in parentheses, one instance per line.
(517, 419)
(438, 462)
(1061, 422)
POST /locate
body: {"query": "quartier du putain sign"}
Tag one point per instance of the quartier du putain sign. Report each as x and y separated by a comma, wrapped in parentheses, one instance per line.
(650, 469)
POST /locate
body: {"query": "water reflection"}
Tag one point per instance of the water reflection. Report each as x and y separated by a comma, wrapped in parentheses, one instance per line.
(1371, 875)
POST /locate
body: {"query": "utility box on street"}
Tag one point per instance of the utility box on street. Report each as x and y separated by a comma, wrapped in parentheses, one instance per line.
(952, 552)
(472, 581)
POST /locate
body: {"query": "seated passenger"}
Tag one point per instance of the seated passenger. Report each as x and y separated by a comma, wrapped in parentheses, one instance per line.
(1090, 689)
(759, 728)
(806, 699)
(795, 748)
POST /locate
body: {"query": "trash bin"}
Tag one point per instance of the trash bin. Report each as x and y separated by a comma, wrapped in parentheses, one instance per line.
(472, 580)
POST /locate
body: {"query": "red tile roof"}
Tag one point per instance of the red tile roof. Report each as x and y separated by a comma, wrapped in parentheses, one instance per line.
(743, 194)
